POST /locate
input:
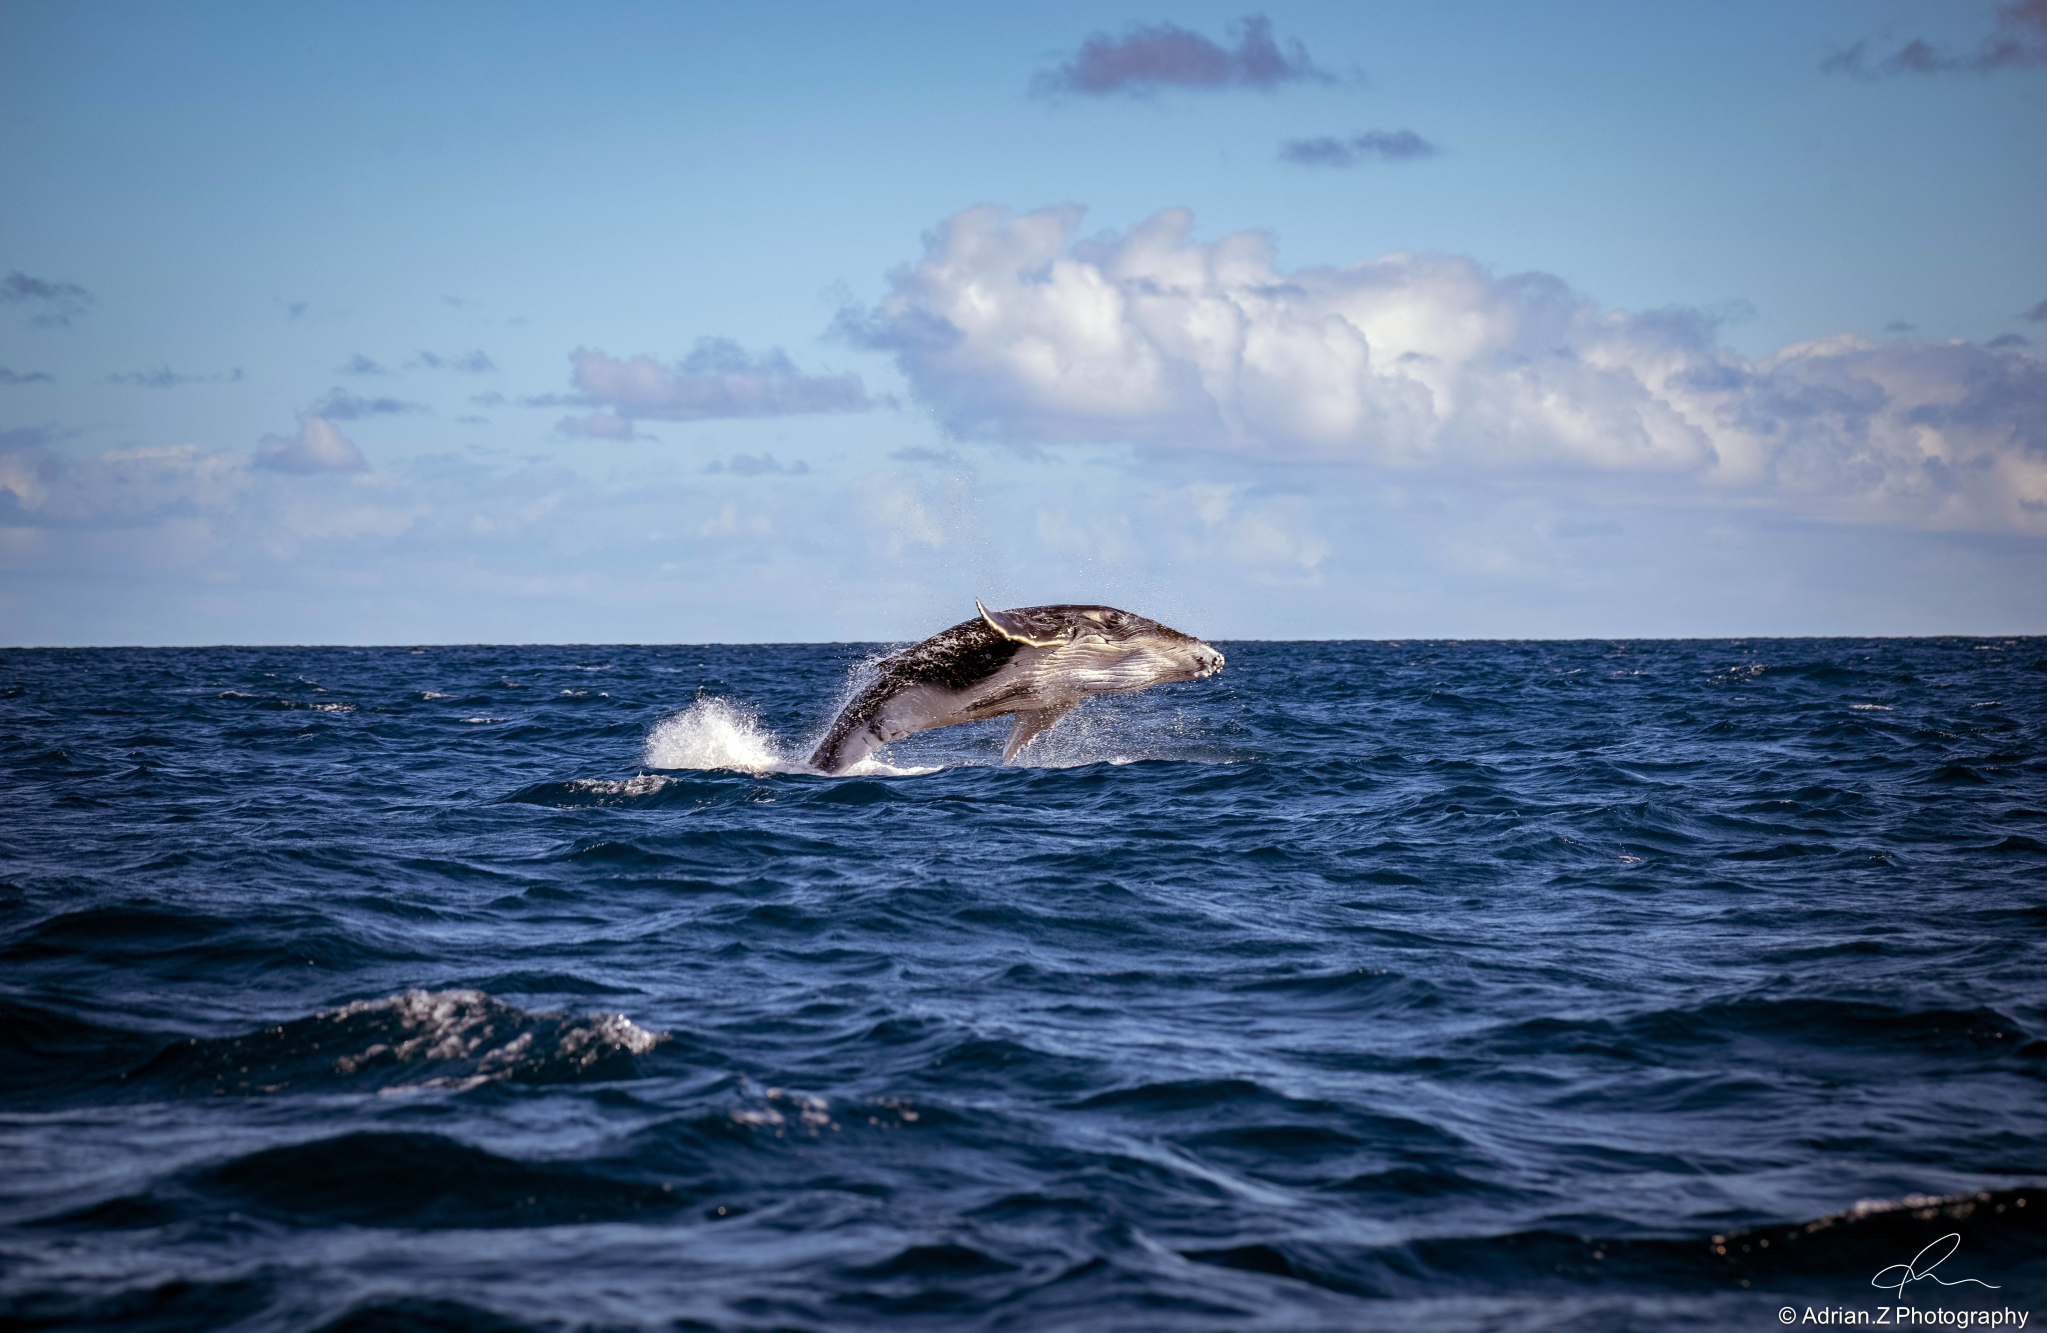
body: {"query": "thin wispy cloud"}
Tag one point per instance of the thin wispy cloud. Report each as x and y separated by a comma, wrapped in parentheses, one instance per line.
(32, 377)
(756, 465)
(341, 405)
(718, 379)
(360, 365)
(600, 426)
(2038, 314)
(1370, 146)
(472, 362)
(2017, 41)
(163, 377)
(1147, 57)
(53, 303)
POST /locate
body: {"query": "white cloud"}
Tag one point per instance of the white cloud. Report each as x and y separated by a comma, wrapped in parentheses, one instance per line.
(1015, 331)
(316, 447)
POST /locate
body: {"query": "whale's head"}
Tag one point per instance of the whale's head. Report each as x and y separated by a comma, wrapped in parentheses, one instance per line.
(1107, 649)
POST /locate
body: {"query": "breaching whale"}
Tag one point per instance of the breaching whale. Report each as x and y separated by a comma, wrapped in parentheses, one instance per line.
(1038, 662)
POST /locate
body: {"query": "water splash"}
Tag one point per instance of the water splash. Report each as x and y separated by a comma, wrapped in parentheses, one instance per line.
(718, 733)
(715, 733)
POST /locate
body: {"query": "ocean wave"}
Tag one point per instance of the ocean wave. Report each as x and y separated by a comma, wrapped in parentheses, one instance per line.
(452, 1039)
(2002, 1232)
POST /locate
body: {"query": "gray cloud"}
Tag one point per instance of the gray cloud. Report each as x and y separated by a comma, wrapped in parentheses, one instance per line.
(718, 379)
(55, 303)
(601, 426)
(1380, 145)
(341, 405)
(32, 377)
(754, 465)
(2038, 314)
(2008, 340)
(2018, 41)
(28, 437)
(360, 365)
(472, 362)
(492, 399)
(315, 447)
(163, 377)
(1146, 58)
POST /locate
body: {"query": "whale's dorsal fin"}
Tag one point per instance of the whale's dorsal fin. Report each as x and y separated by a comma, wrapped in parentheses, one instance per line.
(1009, 627)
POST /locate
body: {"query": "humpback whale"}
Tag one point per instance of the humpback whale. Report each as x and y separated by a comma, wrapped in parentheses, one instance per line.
(1038, 662)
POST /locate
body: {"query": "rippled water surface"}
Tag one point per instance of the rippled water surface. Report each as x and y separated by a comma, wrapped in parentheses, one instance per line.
(1418, 985)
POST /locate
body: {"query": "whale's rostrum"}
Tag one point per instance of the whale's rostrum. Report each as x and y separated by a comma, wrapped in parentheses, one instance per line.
(1037, 662)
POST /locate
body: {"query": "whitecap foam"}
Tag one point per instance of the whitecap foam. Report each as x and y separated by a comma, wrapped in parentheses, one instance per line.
(640, 784)
(488, 1040)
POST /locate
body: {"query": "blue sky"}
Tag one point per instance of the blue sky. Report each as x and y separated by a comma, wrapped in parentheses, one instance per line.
(603, 323)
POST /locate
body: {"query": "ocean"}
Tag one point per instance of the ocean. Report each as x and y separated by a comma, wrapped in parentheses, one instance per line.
(1416, 985)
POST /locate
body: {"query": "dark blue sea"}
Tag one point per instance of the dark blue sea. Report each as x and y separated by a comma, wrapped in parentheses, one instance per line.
(1421, 986)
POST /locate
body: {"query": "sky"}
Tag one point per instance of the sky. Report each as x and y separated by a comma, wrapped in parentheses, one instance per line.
(793, 322)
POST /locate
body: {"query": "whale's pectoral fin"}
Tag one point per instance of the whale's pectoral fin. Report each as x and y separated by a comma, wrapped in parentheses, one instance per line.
(1029, 724)
(1013, 629)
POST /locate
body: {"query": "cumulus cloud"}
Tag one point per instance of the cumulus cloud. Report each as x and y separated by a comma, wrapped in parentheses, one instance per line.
(1146, 58)
(163, 377)
(315, 447)
(2017, 41)
(718, 379)
(1014, 331)
(341, 405)
(54, 303)
(1372, 145)
(31, 377)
